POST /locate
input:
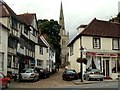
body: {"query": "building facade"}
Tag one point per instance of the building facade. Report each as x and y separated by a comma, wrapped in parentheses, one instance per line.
(101, 47)
(4, 31)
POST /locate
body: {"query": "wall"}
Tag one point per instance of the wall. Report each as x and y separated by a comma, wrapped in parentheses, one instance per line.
(76, 54)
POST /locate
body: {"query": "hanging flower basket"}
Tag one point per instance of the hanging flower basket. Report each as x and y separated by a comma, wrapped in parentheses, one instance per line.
(82, 60)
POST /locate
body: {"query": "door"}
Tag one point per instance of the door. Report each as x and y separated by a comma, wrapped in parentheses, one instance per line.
(106, 68)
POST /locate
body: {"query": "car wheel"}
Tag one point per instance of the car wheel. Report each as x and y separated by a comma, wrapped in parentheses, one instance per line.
(34, 79)
(88, 79)
(45, 76)
(7, 85)
(84, 78)
(101, 79)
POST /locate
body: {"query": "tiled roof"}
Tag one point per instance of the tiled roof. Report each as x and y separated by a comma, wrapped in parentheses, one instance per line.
(6, 11)
(27, 18)
(100, 28)
(82, 26)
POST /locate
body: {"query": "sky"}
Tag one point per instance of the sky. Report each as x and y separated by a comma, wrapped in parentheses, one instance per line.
(76, 12)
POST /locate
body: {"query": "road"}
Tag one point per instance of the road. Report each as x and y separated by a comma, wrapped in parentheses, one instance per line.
(55, 81)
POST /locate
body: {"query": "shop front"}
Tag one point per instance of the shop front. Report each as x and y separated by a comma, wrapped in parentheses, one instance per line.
(108, 63)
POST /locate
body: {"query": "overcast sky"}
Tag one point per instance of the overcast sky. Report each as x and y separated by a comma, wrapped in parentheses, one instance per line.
(76, 12)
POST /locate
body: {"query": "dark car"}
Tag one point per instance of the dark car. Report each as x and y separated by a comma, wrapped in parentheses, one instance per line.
(43, 73)
(70, 74)
(93, 74)
(4, 81)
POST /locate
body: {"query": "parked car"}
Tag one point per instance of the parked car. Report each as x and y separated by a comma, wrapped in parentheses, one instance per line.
(95, 74)
(43, 73)
(70, 74)
(4, 81)
(29, 74)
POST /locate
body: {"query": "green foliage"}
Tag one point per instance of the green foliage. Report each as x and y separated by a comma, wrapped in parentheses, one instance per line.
(118, 16)
(52, 29)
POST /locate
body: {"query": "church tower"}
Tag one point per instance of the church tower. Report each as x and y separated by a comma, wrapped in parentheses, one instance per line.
(64, 38)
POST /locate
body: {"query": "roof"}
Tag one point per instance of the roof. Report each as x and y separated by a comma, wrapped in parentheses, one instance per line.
(6, 11)
(3, 26)
(27, 17)
(100, 28)
(82, 26)
(40, 42)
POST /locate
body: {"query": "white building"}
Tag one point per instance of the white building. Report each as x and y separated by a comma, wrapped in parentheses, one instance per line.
(44, 55)
(3, 48)
(100, 40)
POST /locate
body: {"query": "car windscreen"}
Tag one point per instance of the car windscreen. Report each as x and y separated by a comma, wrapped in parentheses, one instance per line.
(95, 70)
(28, 71)
(23, 71)
(69, 72)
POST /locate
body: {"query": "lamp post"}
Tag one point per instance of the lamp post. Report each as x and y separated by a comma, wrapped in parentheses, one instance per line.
(81, 68)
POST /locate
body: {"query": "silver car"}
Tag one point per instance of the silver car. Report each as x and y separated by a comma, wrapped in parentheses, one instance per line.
(95, 74)
(29, 74)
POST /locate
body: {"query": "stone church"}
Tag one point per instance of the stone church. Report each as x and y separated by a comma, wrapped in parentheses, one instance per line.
(64, 38)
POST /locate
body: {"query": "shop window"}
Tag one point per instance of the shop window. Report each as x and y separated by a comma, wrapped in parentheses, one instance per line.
(118, 65)
(115, 66)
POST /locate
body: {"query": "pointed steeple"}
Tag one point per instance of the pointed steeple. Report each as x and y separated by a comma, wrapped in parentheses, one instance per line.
(61, 21)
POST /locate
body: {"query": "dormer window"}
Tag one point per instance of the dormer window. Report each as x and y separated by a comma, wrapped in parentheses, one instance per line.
(96, 43)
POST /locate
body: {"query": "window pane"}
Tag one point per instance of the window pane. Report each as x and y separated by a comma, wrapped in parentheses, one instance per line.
(96, 42)
(115, 43)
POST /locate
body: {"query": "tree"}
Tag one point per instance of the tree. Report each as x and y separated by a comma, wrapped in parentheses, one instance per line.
(52, 29)
(118, 16)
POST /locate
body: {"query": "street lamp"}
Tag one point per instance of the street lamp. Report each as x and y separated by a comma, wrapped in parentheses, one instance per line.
(81, 68)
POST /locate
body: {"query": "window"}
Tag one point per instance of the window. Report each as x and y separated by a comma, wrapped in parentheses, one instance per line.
(39, 62)
(34, 32)
(15, 62)
(12, 43)
(63, 42)
(41, 50)
(1, 61)
(115, 66)
(14, 24)
(47, 50)
(0, 39)
(96, 43)
(26, 30)
(9, 61)
(71, 50)
(116, 44)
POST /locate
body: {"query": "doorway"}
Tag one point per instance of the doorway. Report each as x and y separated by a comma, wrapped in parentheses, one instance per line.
(106, 68)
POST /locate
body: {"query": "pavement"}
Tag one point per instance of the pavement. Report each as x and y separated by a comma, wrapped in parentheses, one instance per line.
(78, 82)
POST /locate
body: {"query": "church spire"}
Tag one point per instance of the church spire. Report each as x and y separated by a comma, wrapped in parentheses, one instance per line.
(61, 21)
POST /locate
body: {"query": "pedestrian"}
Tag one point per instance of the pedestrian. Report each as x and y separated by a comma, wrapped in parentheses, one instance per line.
(66, 67)
(58, 66)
